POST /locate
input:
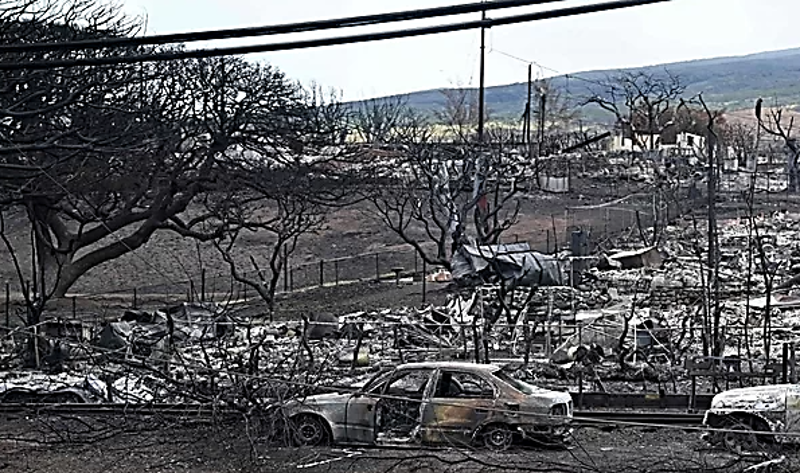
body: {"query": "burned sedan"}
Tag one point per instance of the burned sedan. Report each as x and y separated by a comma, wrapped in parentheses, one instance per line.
(434, 403)
(747, 418)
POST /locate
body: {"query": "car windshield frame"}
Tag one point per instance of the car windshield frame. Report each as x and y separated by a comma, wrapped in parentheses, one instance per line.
(376, 380)
(517, 384)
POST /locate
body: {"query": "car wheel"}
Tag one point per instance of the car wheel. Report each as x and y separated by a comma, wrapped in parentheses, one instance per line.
(743, 441)
(497, 437)
(309, 431)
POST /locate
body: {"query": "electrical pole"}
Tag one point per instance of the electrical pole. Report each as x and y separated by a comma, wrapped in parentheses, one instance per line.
(713, 239)
(528, 111)
(482, 79)
(542, 112)
(477, 189)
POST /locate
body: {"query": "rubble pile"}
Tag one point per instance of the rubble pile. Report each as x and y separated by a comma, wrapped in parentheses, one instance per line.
(641, 308)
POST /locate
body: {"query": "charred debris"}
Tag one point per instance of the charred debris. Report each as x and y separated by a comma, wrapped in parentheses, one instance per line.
(617, 321)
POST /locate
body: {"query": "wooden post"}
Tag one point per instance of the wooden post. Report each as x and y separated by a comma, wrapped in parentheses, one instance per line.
(377, 267)
(203, 285)
(785, 364)
(548, 241)
(398, 345)
(285, 268)
(336, 270)
(135, 297)
(424, 281)
(36, 345)
(28, 314)
(74, 308)
(321, 273)
(8, 306)
(358, 346)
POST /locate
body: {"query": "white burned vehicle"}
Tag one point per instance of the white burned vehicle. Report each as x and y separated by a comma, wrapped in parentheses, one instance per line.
(434, 403)
(749, 418)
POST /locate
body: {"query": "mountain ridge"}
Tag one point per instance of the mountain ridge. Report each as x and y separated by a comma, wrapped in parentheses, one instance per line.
(729, 82)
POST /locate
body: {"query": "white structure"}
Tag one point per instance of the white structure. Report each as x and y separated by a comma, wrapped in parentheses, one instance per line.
(683, 144)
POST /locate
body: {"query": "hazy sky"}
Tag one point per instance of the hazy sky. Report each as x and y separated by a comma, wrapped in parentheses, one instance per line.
(675, 31)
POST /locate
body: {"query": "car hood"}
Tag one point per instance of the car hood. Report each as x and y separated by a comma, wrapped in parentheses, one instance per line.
(544, 398)
(328, 398)
(760, 398)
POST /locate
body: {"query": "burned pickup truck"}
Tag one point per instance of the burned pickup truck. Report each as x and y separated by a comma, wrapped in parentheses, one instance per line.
(434, 403)
(746, 419)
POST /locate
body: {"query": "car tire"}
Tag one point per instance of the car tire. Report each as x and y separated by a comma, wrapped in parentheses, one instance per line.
(745, 441)
(497, 437)
(309, 431)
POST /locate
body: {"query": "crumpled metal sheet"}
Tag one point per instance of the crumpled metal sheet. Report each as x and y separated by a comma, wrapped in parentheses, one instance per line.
(514, 262)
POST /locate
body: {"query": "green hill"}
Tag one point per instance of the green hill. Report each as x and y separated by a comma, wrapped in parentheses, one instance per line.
(729, 82)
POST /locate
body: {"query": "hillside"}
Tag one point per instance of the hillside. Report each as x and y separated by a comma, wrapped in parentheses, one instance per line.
(729, 82)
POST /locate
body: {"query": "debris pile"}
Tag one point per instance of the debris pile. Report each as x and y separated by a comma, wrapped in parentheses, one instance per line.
(642, 310)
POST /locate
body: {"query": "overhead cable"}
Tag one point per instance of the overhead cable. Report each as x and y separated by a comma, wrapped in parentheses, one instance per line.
(334, 41)
(303, 27)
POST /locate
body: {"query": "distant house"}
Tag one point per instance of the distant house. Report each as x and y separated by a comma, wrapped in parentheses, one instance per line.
(668, 142)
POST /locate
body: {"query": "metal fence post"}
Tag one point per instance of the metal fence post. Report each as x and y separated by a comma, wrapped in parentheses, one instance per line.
(336, 271)
(377, 267)
(321, 273)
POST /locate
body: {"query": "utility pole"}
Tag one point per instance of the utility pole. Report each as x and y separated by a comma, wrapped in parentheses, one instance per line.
(542, 113)
(482, 79)
(528, 111)
(713, 239)
(477, 188)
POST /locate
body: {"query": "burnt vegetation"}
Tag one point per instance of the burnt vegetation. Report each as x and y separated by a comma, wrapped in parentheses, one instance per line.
(96, 162)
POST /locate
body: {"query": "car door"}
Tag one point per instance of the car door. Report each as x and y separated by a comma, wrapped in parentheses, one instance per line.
(398, 411)
(460, 402)
(360, 411)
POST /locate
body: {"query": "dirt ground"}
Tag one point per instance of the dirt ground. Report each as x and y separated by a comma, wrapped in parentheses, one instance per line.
(166, 263)
(42, 445)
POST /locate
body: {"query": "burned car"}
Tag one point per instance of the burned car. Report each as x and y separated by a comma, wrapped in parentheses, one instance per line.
(746, 419)
(434, 403)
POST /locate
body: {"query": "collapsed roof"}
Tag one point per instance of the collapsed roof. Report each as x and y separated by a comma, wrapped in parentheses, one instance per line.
(515, 263)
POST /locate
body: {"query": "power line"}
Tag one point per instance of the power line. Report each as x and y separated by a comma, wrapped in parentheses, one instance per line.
(541, 66)
(334, 41)
(302, 27)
